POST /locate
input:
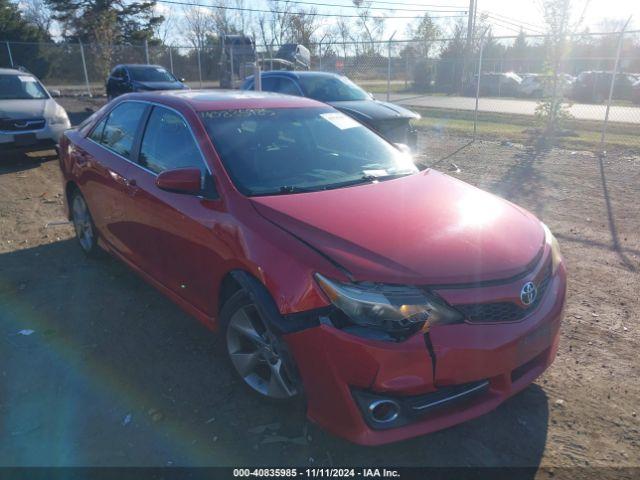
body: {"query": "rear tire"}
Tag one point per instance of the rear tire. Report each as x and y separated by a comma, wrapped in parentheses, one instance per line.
(258, 356)
(83, 224)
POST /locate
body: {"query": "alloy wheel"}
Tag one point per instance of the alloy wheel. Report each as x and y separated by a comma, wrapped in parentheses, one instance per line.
(82, 223)
(259, 356)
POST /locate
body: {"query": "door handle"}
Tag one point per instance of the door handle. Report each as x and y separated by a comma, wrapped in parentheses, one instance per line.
(132, 186)
(81, 157)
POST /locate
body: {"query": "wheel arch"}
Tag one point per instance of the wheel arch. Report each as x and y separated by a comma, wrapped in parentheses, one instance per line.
(239, 279)
(69, 189)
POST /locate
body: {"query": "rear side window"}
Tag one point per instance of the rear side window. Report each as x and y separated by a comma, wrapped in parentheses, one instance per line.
(288, 87)
(279, 85)
(121, 126)
(168, 143)
(96, 134)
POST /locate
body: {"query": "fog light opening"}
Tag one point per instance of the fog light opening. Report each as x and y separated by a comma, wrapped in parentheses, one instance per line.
(384, 411)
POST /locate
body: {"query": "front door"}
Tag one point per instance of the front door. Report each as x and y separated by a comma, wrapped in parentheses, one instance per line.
(173, 232)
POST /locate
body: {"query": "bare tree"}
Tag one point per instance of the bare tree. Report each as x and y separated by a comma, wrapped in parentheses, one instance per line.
(164, 31)
(197, 24)
(275, 25)
(552, 110)
(342, 29)
(371, 26)
(302, 27)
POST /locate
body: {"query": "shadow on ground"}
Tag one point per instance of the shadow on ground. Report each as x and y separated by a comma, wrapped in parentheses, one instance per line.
(13, 163)
(115, 374)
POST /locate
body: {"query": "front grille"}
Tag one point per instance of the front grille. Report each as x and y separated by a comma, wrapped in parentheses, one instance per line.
(496, 312)
(21, 125)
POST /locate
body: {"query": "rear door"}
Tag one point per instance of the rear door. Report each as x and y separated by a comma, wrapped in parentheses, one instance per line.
(172, 233)
(104, 159)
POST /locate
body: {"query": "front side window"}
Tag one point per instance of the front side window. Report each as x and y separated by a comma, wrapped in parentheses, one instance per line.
(120, 130)
(168, 143)
(21, 87)
(290, 150)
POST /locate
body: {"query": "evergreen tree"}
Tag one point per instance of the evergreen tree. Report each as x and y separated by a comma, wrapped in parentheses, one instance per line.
(14, 27)
(94, 20)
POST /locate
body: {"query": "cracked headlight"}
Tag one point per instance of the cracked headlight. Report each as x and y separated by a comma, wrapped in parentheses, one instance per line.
(556, 256)
(391, 308)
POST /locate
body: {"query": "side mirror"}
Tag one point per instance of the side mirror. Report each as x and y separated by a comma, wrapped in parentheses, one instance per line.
(182, 79)
(181, 180)
(373, 97)
(55, 93)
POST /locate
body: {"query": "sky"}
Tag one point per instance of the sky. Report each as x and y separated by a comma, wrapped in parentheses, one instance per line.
(509, 15)
(529, 11)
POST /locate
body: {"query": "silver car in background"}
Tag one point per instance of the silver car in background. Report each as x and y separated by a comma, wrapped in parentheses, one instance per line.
(30, 119)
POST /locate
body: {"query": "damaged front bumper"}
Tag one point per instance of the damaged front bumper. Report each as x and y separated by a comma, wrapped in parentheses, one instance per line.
(374, 392)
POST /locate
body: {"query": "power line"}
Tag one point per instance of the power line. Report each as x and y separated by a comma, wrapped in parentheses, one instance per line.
(461, 11)
(404, 4)
(512, 26)
(516, 22)
(258, 10)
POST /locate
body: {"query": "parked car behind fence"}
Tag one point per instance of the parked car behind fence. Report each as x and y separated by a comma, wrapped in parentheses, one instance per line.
(594, 86)
(496, 85)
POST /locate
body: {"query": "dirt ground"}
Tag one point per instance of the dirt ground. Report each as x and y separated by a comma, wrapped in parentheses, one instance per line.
(115, 374)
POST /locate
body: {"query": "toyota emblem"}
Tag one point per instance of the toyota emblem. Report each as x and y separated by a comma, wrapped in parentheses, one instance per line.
(528, 293)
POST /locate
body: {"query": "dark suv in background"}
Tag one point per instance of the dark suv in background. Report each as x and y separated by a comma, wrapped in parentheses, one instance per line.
(391, 121)
(594, 86)
(141, 78)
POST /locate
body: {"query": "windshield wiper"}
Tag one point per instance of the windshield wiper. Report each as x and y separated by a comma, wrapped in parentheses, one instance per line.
(294, 189)
(283, 190)
(366, 178)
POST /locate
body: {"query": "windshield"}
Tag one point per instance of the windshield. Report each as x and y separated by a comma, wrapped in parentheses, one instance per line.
(21, 87)
(331, 89)
(292, 150)
(150, 74)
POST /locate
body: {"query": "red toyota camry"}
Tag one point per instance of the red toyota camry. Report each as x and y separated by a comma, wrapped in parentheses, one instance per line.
(394, 301)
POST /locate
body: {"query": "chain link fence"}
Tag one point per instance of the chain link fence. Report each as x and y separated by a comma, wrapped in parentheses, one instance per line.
(494, 87)
(499, 87)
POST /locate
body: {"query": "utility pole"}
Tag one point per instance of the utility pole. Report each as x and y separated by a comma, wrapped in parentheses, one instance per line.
(612, 86)
(470, 22)
(471, 14)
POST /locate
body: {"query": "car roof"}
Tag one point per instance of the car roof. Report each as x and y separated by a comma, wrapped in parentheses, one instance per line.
(204, 100)
(127, 65)
(13, 71)
(300, 74)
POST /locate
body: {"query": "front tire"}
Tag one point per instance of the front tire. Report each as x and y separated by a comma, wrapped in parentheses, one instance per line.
(258, 355)
(83, 225)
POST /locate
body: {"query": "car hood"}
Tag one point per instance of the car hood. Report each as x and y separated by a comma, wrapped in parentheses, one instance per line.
(374, 110)
(160, 85)
(27, 108)
(426, 228)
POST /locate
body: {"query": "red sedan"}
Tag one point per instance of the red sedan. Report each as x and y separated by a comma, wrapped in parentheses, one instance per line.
(398, 301)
